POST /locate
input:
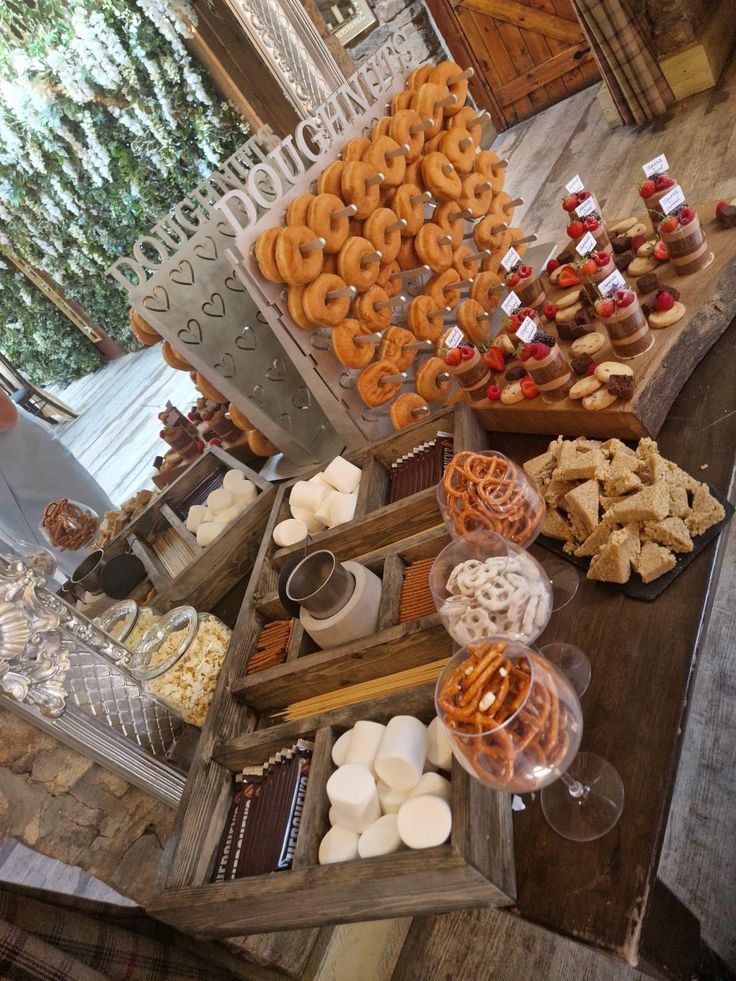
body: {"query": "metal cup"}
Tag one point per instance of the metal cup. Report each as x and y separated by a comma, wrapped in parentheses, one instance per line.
(86, 575)
(320, 584)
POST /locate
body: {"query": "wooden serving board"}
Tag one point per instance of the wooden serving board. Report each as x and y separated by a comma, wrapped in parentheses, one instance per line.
(660, 373)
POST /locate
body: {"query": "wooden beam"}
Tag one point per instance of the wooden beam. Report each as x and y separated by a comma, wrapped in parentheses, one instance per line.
(526, 18)
(535, 78)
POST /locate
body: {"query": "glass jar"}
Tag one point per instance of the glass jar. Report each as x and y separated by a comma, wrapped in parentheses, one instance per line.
(68, 525)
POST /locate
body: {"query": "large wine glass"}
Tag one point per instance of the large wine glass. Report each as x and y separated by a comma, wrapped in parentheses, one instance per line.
(515, 723)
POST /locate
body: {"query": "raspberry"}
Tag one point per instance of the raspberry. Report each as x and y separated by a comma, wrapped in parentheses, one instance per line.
(590, 369)
(541, 351)
(493, 393)
(466, 352)
(665, 301)
(527, 351)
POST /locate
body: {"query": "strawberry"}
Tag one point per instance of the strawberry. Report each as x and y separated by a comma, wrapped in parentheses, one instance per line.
(719, 208)
(605, 307)
(664, 301)
(568, 277)
(601, 259)
(523, 312)
(637, 242)
(512, 280)
(588, 268)
(528, 387)
(575, 229)
(686, 215)
(569, 203)
(466, 352)
(552, 265)
(591, 223)
(494, 359)
(590, 369)
(550, 311)
(669, 224)
(493, 393)
(453, 357)
(648, 188)
(625, 297)
(511, 324)
(525, 271)
(527, 351)
(541, 351)
(664, 182)
(660, 251)
(215, 441)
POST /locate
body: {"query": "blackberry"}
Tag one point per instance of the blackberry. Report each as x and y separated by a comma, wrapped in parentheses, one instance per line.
(543, 338)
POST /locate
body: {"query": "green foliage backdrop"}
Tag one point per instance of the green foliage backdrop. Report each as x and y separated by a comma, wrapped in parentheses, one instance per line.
(105, 124)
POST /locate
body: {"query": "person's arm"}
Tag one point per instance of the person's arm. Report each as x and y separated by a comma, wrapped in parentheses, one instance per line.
(8, 413)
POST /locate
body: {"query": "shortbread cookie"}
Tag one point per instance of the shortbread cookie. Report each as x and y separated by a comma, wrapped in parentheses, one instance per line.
(568, 299)
(641, 266)
(619, 227)
(638, 228)
(646, 249)
(600, 399)
(607, 368)
(567, 314)
(587, 344)
(512, 393)
(583, 387)
(666, 318)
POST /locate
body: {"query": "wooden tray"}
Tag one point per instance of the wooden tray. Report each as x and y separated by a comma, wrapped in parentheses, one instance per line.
(213, 570)
(710, 298)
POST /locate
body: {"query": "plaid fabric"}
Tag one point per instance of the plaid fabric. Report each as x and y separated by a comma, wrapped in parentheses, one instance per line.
(626, 59)
(51, 937)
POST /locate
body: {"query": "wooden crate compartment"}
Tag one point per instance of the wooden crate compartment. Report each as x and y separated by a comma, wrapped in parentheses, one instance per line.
(475, 868)
(211, 571)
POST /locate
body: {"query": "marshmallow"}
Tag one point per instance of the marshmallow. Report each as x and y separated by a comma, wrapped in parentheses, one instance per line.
(434, 784)
(232, 479)
(323, 511)
(230, 514)
(306, 518)
(352, 793)
(341, 819)
(400, 758)
(319, 480)
(341, 508)
(382, 838)
(244, 492)
(208, 532)
(305, 495)
(219, 500)
(390, 799)
(342, 475)
(424, 822)
(439, 747)
(195, 517)
(364, 744)
(338, 845)
(289, 532)
(340, 748)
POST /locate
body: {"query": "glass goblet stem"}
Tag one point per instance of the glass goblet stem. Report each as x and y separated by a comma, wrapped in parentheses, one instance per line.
(576, 789)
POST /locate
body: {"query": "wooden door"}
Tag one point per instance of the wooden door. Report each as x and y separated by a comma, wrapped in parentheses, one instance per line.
(528, 54)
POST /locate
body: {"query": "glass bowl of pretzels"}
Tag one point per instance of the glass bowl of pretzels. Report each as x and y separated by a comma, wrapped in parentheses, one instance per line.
(483, 585)
(485, 491)
(68, 525)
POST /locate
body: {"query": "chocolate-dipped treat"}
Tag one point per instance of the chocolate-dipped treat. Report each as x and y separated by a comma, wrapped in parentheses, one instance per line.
(652, 190)
(470, 370)
(526, 285)
(624, 320)
(549, 369)
(592, 223)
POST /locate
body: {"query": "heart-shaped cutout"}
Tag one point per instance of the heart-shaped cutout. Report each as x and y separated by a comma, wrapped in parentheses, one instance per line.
(182, 274)
(258, 397)
(302, 399)
(285, 420)
(226, 365)
(276, 372)
(206, 249)
(215, 306)
(247, 340)
(225, 229)
(157, 300)
(191, 334)
(234, 284)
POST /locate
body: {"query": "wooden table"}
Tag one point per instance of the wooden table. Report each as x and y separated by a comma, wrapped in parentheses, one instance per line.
(606, 893)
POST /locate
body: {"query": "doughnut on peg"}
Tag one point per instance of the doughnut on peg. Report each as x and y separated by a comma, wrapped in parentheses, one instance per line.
(393, 301)
(307, 247)
(421, 127)
(399, 378)
(447, 169)
(525, 240)
(378, 178)
(400, 151)
(409, 274)
(515, 202)
(376, 256)
(397, 226)
(425, 197)
(347, 212)
(449, 100)
(460, 215)
(346, 291)
(464, 144)
(460, 77)
(418, 346)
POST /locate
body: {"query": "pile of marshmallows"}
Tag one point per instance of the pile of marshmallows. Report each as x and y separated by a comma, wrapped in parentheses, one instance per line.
(223, 505)
(325, 500)
(381, 796)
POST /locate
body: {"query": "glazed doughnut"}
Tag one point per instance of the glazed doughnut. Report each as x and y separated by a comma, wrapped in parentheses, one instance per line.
(400, 129)
(428, 383)
(393, 347)
(468, 118)
(387, 279)
(265, 253)
(403, 409)
(329, 181)
(351, 267)
(466, 260)
(413, 174)
(208, 389)
(238, 419)
(346, 351)
(260, 445)
(493, 262)
(295, 304)
(432, 145)
(364, 308)
(383, 154)
(369, 386)
(418, 76)
(440, 177)
(321, 309)
(409, 205)
(501, 207)
(297, 268)
(488, 232)
(355, 148)
(485, 290)
(380, 127)
(441, 76)
(376, 230)
(356, 189)
(434, 247)
(407, 257)
(457, 145)
(425, 101)
(477, 195)
(516, 235)
(402, 100)
(486, 163)
(443, 216)
(438, 288)
(471, 321)
(319, 218)
(142, 330)
(296, 212)
(329, 264)
(173, 359)
(424, 326)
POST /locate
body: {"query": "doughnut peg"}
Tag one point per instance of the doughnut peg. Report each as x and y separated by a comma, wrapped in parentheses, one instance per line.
(513, 204)
(477, 120)
(458, 286)
(347, 291)
(525, 240)
(482, 188)
(347, 212)
(421, 127)
(418, 346)
(376, 256)
(410, 273)
(444, 376)
(394, 301)
(464, 144)
(449, 100)
(447, 169)
(397, 226)
(396, 379)
(483, 254)
(501, 165)
(426, 197)
(373, 339)
(456, 79)
(445, 240)
(460, 215)
(498, 228)
(318, 243)
(378, 178)
(399, 151)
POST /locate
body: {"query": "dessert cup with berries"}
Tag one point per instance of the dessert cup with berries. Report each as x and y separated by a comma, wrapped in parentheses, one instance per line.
(593, 271)
(548, 367)
(592, 223)
(651, 191)
(683, 235)
(526, 285)
(470, 370)
(624, 320)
